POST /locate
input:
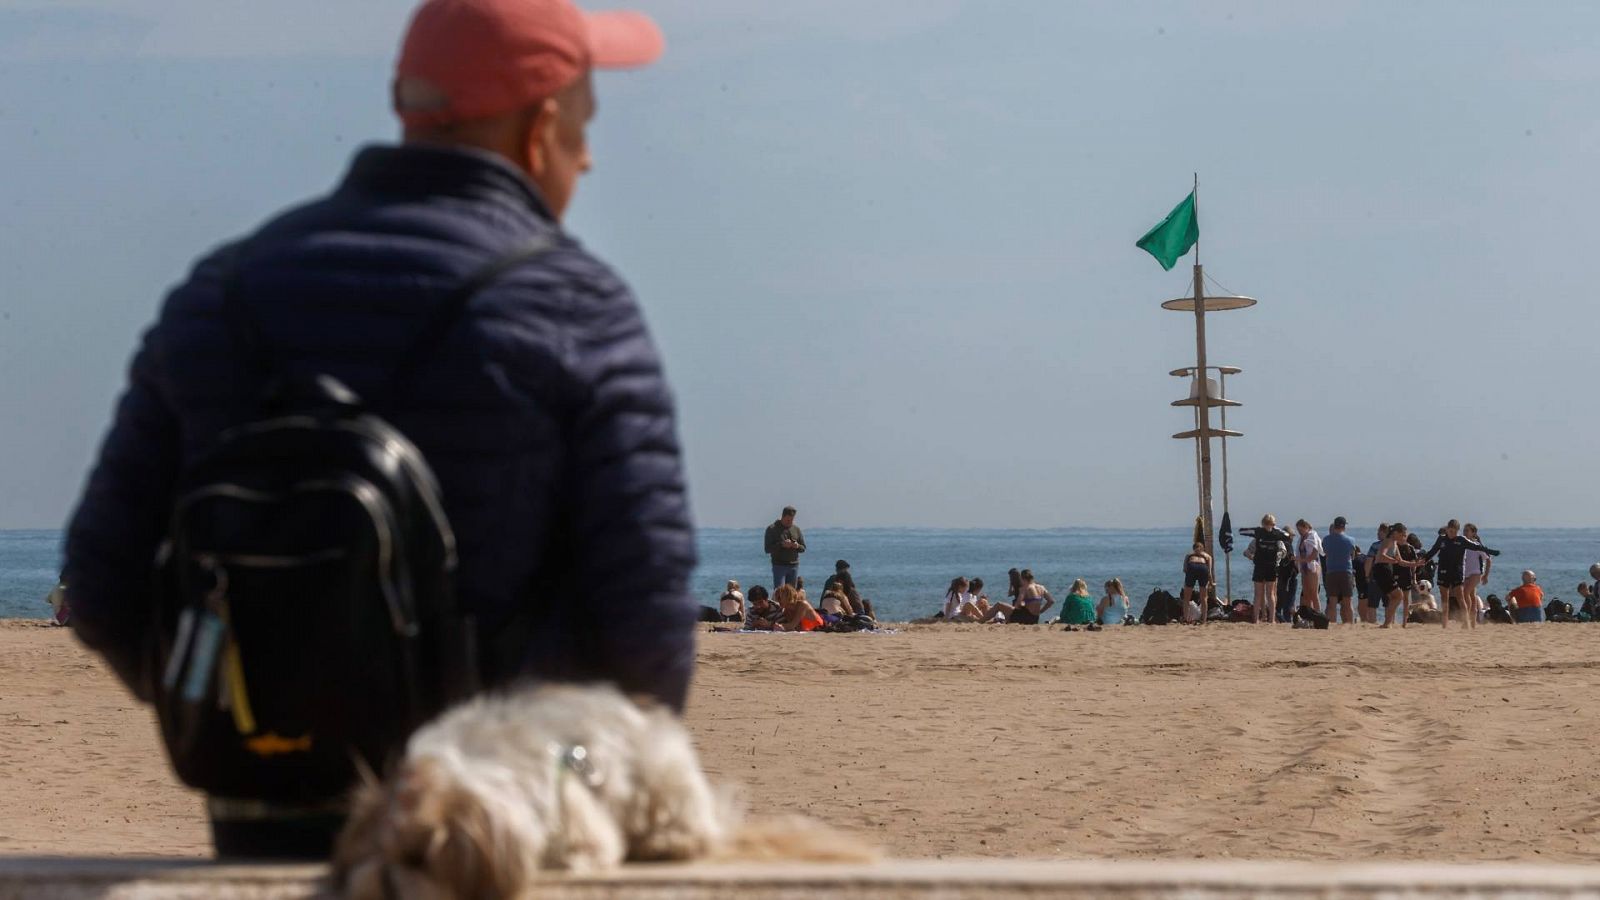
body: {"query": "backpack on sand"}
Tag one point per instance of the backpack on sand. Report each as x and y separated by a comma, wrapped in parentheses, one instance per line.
(1312, 617)
(304, 618)
(1161, 608)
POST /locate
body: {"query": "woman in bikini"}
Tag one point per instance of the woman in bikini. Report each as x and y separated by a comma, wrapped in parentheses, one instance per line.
(1387, 567)
(1196, 573)
(797, 615)
(1032, 601)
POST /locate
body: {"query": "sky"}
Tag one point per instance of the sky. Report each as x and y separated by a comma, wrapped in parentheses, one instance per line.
(886, 246)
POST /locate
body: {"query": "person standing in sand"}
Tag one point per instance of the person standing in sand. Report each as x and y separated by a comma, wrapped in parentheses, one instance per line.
(1475, 565)
(1386, 568)
(784, 542)
(1268, 546)
(1339, 580)
(1451, 548)
(1376, 591)
(1308, 556)
(541, 407)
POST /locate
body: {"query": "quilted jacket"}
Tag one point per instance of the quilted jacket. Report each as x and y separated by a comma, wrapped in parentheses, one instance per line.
(544, 414)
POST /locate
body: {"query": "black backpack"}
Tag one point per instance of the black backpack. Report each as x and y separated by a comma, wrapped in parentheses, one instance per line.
(1161, 608)
(305, 619)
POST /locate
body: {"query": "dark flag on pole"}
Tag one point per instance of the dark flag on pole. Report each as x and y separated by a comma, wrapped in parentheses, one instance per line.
(1225, 536)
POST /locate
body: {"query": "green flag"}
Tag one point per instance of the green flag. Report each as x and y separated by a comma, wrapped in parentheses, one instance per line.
(1170, 240)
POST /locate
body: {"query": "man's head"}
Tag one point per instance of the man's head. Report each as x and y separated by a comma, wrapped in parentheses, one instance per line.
(511, 77)
(1528, 577)
(1594, 571)
(788, 516)
(1338, 524)
(840, 566)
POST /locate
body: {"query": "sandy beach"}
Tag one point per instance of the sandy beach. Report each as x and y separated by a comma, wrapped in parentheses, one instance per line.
(944, 741)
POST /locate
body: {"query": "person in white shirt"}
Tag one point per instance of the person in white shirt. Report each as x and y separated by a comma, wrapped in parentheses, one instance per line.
(960, 605)
(731, 604)
(1308, 556)
(1475, 566)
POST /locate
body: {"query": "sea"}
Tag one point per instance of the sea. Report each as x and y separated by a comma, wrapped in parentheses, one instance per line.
(905, 571)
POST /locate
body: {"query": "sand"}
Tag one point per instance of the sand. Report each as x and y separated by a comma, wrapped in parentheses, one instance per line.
(1002, 741)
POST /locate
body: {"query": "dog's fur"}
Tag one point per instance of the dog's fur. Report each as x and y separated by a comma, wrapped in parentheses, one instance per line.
(483, 801)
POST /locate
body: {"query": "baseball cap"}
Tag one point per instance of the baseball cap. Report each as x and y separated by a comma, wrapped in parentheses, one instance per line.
(470, 59)
(1339, 522)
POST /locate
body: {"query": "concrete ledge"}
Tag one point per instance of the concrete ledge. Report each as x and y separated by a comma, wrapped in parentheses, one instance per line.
(147, 879)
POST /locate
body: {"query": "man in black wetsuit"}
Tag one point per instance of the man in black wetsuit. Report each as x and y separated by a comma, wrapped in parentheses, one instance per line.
(1451, 548)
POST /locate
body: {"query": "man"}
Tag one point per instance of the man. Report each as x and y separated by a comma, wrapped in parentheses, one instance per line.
(1527, 601)
(784, 543)
(544, 412)
(1369, 610)
(1340, 552)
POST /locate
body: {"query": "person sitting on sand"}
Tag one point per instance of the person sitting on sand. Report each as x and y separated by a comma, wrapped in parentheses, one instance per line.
(1528, 599)
(1078, 608)
(846, 583)
(1586, 609)
(960, 605)
(762, 613)
(1032, 600)
(731, 604)
(1114, 607)
(798, 615)
(835, 605)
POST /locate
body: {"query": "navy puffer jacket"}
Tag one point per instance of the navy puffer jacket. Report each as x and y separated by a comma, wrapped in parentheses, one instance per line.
(544, 414)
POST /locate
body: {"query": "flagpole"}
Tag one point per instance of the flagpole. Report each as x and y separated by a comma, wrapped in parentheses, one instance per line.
(1204, 408)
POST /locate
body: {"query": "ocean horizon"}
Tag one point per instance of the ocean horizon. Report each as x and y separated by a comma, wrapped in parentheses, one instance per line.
(905, 571)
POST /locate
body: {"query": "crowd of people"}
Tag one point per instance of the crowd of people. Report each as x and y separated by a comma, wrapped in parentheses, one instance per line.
(788, 608)
(1316, 580)
(1299, 576)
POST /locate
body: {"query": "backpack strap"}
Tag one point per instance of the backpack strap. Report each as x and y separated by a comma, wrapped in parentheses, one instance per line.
(247, 332)
(444, 316)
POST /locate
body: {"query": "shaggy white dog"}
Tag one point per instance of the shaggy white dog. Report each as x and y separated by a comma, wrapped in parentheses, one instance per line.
(557, 777)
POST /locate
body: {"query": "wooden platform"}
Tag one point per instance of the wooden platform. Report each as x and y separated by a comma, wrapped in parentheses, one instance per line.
(133, 879)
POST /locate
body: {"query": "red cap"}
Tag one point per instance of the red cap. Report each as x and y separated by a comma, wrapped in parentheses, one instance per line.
(470, 59)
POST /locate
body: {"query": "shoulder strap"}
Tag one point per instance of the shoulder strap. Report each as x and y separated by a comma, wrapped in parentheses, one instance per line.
(247, 332)
(444, 315)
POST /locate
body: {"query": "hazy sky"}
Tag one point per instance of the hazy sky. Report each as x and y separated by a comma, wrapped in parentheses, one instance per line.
(887, 247)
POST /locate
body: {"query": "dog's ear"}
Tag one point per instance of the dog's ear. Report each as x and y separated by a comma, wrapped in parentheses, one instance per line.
(444, 831)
